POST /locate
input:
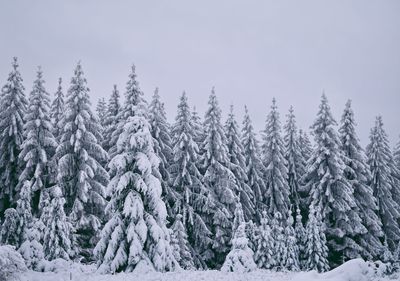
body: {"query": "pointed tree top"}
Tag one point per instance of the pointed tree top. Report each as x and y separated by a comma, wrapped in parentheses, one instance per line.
(15, 63)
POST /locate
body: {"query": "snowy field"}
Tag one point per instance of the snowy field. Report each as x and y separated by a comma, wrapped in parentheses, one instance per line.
(354, 270)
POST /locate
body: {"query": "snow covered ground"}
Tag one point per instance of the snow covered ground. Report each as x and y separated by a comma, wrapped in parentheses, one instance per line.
(354, 270)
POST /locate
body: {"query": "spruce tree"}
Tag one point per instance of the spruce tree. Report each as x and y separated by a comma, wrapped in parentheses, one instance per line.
(237, 163)
(294, 159)
(197, 127)
(180, 242)
(381, 165)
(277, 190)
(101, 110)
(316, 248)
(193, 203)
(330, 190)
(356, 171)
(57, 111)
(40, 145)
(220, 181)
(264, 256)
(305, 145)
(9, 232)
(136, 233)
(300, 234)
(12, 113)
(254, 166)
(160, 132)
(290, 257)
(80, 173)
(111, 118)
(396, 155)
(31, 249)
(279, 248)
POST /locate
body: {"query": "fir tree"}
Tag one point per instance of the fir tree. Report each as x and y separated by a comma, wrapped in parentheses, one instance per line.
(294, 159)
(300, 234)
(180, 242)
(254, 166)
(31, 249)
(197, 127)
(40, 145)
(219, 179)
(330, 190)
(136, 233)
(80, 173)
(57, 111)
(356, 171)
(316, 250)
(12, 110)
(187, 181)
(264, 256)
(111, 118)
(101, 110)
(9, 232)
(279, 246)
(290, 257)
(381, 164)
(275, 175)
(305, 145)
(396, 155)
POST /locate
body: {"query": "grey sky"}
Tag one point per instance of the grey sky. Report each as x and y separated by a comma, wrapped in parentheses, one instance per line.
(250, 51)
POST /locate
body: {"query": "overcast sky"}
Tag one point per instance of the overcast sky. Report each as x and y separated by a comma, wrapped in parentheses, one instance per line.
(251, 51)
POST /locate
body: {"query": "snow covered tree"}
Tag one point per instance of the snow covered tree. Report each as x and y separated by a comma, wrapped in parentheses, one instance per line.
(101, 110)
(290, 257)
(136, 232)
(186, 180)
(264, 256)
(300, 234)
(9, 232)
(330, 190)
(305, 145)
(80, 173)
(381, 165)
(180, 242)
(11, 263)
(160, 131)
(306, 150)
(279, 248)
(240, 258)
(198, 128)
(254, 166)
(39, 146)
(12, 110)
(294, 159)
(31, 249)
(58, 231)
(275, 175)
(220, 181)
(316, 248)
(237, 163)
(396, 155)
(111, 118)
(57, 110)
(356, 171)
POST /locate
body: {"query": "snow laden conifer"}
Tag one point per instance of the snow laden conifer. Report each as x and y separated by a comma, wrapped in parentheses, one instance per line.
(240, 258)
(300, 234)
(279, 248)
(31, 248)
(186, 179)
(111, 118)
(264, 256)
(305, 145)
(294, 159)
(101, 110)
(12, 110)
(356, 171)
(237, 163)
(181, 244)
(39, 146)
(254, 166)
(80, 173)
(160, 130)
(381, 165)
(290, 257)
(57, 234)
(57, 110)
(396, 155)
(275, 174)
(197, 127)
(316, 248)
(330, 190)
(9, 232)
(220, 181)
(135, 234)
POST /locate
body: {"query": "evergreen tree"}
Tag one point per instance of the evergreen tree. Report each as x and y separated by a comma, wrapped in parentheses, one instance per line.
(80, 173)
(111, 119)
(275, 175)
(180, 242)
(193, 201)
(40, 145)
(9, 232)
(101, 110)
(240, 258)
(160, 132)
(381, 165)
(254, 166)
(294, 159)
(279, 246)
(264, 256)
(57, 111)
(316, 249)
(300, 234)
(356, 171)
(219, 179)
(290, 257)
(330, 190)
(31, 249)
(306, 150)
(136, 233)
(238, 165)
(305, 145)
(197, 127)
(12, 110)
(56, 238)
(396, 155)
